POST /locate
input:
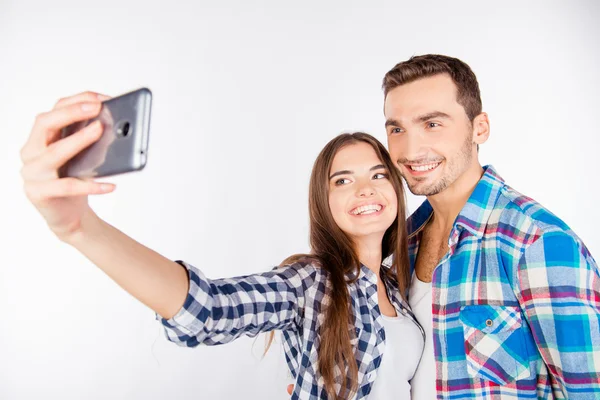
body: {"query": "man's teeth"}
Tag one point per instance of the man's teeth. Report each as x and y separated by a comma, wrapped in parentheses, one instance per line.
(370, 209)
(423, 168)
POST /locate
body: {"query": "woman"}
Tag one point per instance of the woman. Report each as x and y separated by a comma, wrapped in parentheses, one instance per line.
(338, 307)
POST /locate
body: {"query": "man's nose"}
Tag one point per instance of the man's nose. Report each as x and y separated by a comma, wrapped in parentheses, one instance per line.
(413, 146)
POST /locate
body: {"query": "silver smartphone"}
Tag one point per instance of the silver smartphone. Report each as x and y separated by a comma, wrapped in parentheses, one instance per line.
(123, 146)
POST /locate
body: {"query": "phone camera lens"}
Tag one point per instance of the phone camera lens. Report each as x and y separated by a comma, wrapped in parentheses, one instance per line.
(123, 129)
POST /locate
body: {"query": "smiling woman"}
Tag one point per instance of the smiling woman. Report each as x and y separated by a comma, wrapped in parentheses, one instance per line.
(362, 200)
(333, 306)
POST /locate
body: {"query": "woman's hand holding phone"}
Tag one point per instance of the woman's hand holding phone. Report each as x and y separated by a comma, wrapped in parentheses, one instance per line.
(153, 279)
(62, 202)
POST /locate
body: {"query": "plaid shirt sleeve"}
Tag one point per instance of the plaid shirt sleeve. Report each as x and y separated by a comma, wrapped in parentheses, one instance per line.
(560, 293)
(219, 311)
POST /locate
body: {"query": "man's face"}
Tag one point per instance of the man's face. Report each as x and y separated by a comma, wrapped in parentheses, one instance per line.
(429, 134)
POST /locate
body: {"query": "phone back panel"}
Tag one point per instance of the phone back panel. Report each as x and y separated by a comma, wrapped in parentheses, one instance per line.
(123, 146)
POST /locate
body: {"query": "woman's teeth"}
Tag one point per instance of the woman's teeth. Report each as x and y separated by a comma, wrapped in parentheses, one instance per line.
(370, 209)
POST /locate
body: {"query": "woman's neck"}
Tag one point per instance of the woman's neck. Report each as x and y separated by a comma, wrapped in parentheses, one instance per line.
(369, 252)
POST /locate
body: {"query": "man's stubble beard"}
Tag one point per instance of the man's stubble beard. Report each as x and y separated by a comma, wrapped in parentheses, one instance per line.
(454, 171)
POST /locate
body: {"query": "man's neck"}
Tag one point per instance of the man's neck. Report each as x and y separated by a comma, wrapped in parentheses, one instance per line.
(448, 203)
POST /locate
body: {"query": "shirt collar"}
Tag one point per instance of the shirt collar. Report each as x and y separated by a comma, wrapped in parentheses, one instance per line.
(365, 274)
(476, 212)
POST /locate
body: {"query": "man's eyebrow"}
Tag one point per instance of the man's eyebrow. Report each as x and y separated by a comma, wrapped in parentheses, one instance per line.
(420, 118)
(391, 122)
(431, 115)
(348, 172)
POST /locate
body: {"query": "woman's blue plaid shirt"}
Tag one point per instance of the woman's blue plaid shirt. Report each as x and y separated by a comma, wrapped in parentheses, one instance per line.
(289, 299)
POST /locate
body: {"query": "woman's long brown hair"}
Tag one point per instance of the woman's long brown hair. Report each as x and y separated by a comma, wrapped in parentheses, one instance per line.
(333, 250)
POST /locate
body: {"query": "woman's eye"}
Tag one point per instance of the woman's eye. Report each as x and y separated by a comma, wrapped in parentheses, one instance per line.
(342, 181)
(380, 175)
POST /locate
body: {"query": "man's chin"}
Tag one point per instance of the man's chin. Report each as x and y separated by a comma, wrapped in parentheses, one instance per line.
(423, 189)
(419, 192)
(420, 186)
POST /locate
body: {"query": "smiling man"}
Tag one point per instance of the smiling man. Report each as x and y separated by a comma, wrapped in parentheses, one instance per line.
(508, 295)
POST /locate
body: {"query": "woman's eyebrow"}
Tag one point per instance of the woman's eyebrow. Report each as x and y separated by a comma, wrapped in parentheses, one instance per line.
(348, 172)
(343, 172)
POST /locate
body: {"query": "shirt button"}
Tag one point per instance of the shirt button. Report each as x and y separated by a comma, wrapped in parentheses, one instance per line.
(489, 322)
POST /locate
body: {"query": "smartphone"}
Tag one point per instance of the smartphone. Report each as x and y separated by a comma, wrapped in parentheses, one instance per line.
(123, 146)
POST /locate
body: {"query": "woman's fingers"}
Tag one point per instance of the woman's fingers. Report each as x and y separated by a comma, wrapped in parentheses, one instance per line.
(45, 166)
(38, 192)
(91, 97)
(67, 111)
(48, 125)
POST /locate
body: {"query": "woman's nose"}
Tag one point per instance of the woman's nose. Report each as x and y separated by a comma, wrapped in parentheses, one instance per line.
(366, 190)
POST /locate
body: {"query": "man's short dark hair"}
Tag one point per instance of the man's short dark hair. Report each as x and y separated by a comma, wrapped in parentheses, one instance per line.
(427, 65)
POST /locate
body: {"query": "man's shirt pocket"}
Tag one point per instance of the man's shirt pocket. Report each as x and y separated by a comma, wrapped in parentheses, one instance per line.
(495, 345)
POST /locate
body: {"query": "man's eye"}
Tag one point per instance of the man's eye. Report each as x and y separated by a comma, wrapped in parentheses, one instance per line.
(342, 181)
(395, 130)
(433, 124)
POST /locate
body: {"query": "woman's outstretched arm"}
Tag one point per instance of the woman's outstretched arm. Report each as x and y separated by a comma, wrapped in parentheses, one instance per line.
(156, 281)
(187, 301)
(63, 203)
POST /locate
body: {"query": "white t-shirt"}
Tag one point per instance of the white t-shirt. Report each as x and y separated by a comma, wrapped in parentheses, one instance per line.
(403, 347)
(420, 301)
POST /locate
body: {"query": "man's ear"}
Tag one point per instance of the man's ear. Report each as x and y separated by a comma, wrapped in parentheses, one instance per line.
(481, 128)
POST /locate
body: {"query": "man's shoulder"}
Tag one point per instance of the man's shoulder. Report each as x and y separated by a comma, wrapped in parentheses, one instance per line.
(507, 211)
(519, 223)
(518, 211)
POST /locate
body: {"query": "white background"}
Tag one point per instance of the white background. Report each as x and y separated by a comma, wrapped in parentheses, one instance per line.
(245, 95)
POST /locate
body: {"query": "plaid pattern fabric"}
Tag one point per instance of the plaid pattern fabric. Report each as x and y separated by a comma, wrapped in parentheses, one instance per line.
(288, 299)
(516, 301)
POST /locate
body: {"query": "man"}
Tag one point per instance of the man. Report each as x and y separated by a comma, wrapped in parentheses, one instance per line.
(516, 294)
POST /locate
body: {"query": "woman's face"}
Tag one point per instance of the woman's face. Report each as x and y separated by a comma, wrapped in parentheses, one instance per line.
(362, 199)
